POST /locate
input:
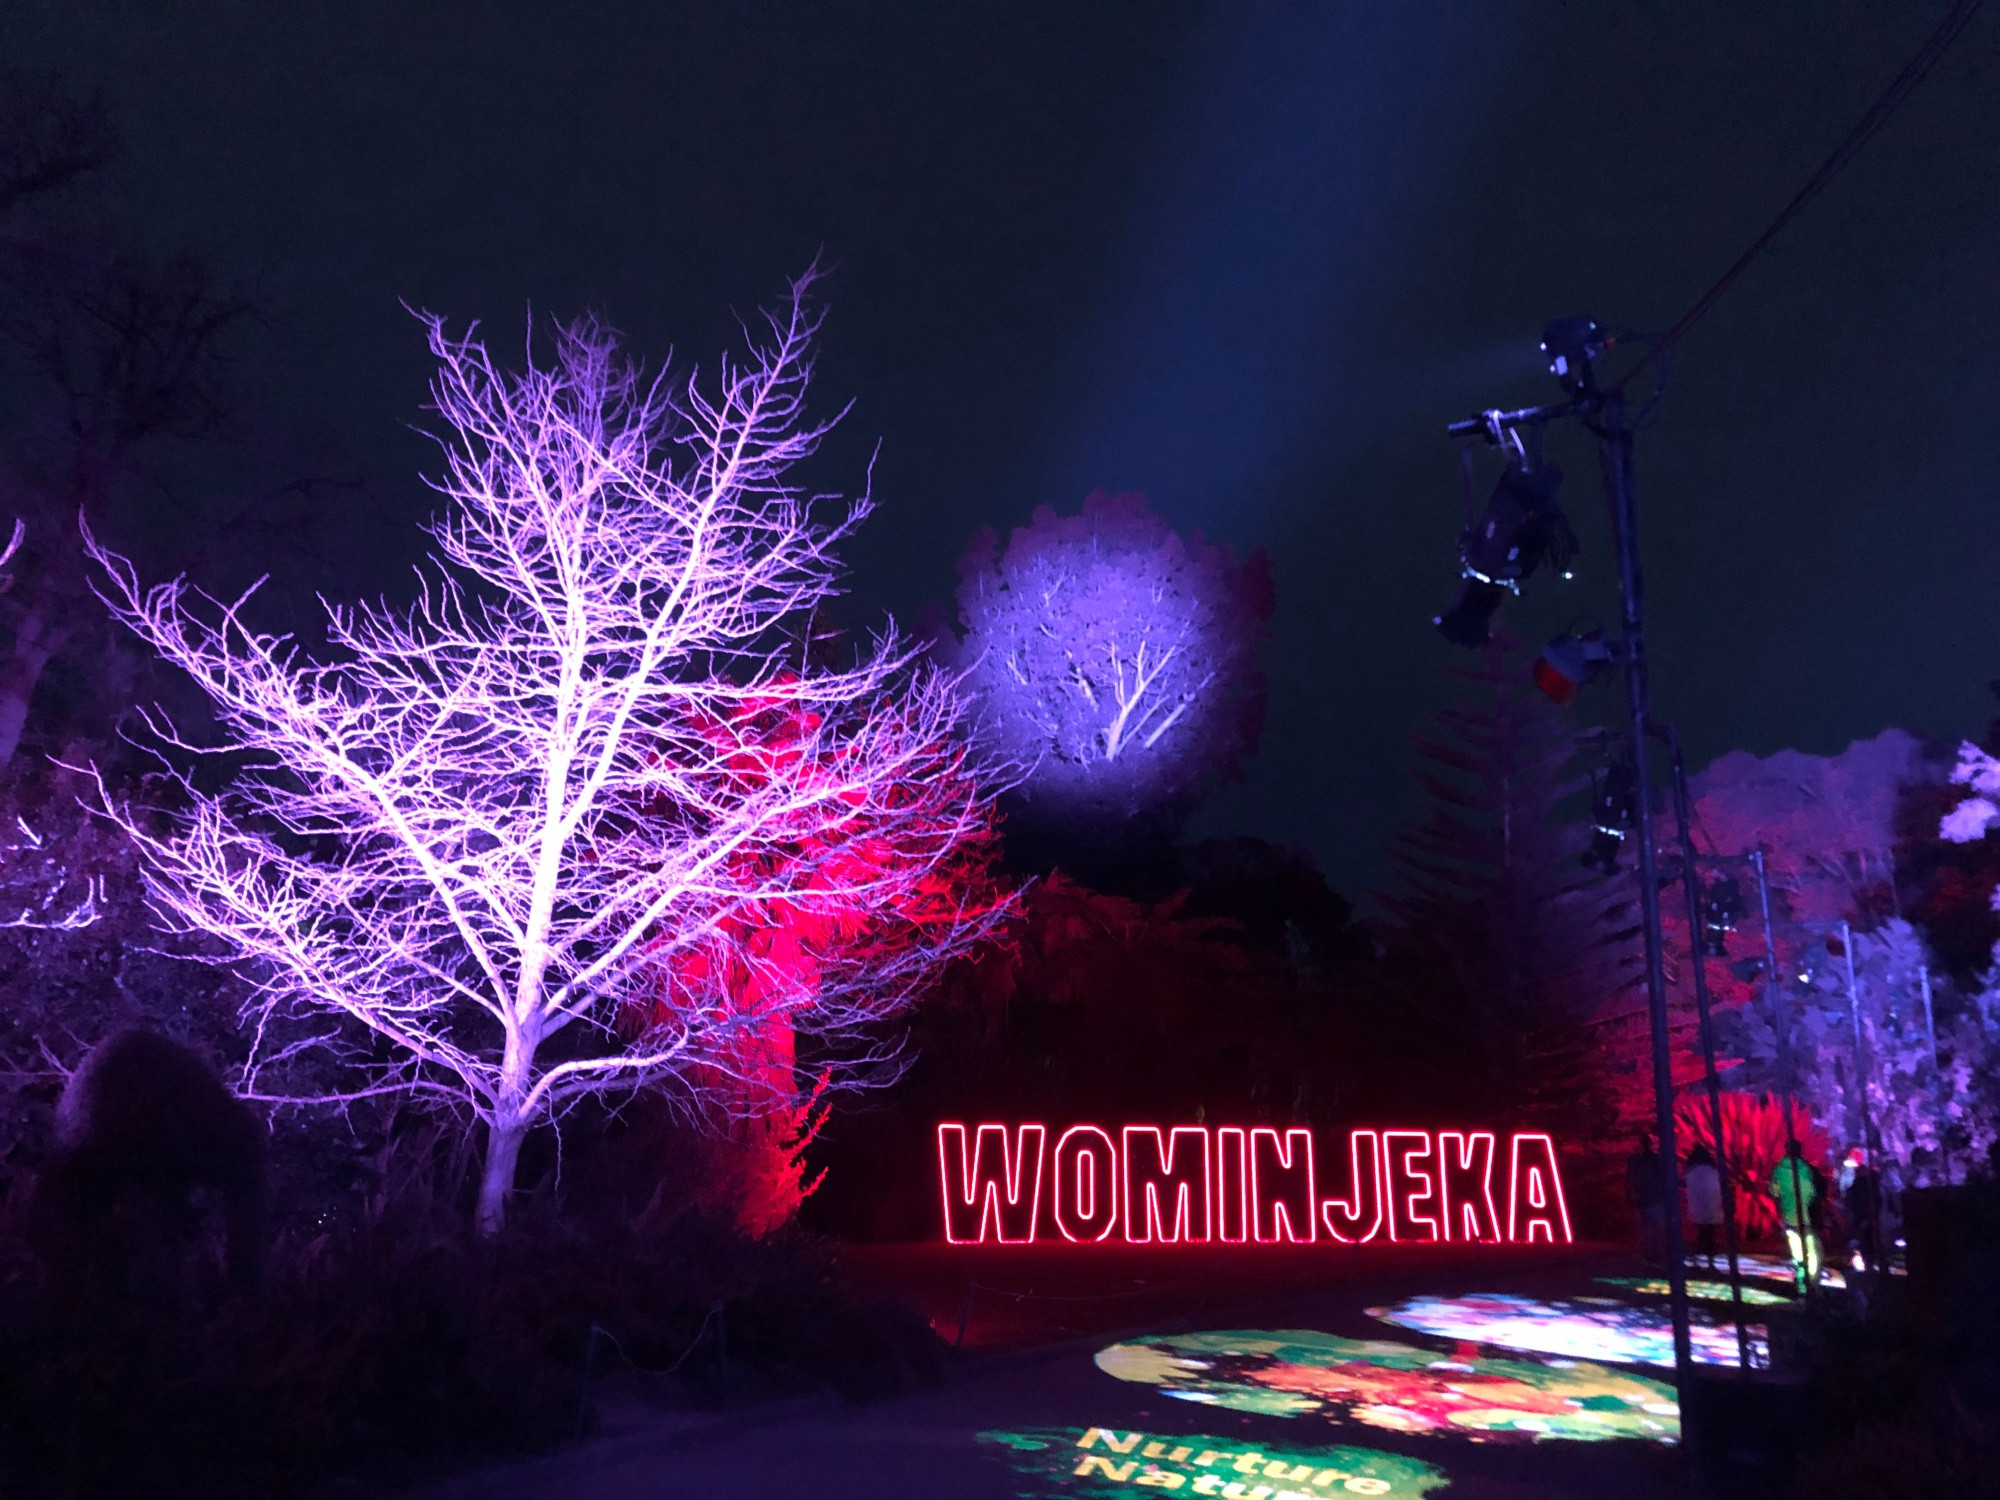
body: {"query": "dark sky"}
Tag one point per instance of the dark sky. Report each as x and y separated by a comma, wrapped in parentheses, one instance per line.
(1248, 258)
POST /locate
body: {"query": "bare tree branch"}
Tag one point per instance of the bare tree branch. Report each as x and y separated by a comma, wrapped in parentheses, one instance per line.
(588, 763)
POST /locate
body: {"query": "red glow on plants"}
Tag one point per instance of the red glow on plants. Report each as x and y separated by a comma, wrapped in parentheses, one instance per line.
(1753, 1140)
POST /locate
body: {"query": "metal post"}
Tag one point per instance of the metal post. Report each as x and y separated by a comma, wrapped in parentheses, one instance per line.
(1863, 1073)
(1691, 878)
(1614, 447)
(1778, 1029)
(1937, 1073)
(965, 1314)
(1781, 1030)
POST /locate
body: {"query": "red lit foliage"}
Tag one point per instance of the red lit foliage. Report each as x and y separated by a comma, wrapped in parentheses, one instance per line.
(1753, 1137)
(1086, 1005)
(1085, 1000)
(849, 906)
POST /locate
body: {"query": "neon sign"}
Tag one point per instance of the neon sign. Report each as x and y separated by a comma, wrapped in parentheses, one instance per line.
(1189, 1184)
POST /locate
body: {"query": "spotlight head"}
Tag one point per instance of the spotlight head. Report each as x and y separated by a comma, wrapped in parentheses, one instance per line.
(1722, 909)
(1572, 346)
(1522, 525)
(1614, 809)
(1602, 855)
(1469, 621)
(1569, 661)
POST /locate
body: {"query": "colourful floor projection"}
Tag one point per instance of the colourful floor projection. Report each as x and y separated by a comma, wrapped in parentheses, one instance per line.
(1699, 1289)
(1103, 1461)
(1575, 1327)
(1398, 1387)
(1777, 1268)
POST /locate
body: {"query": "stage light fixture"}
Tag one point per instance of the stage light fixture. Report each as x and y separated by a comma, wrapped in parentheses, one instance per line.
(1614, 808)
(1722, 909)
(1523, 525)
(1571, 660)
(1573, 346)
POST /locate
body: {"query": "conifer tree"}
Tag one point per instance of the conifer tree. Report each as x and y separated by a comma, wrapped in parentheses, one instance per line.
(1537, 948)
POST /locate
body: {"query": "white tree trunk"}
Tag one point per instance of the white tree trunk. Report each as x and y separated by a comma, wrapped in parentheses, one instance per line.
(496, 1182)
(35, 641)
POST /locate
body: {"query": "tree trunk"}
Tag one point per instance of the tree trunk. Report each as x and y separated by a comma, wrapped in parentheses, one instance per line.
(496, 1182)
(35, 641)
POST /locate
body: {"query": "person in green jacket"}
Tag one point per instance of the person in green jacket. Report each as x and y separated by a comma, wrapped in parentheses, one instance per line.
(1795, 1186)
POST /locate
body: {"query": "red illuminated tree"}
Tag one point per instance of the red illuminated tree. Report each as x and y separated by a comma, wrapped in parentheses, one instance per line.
(587, 816)
(866, 902)
(1753, 1139)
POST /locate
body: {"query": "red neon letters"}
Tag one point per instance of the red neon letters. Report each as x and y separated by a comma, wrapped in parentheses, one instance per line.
(1166, 1185)
(1412, 1185)
(1086, 1184)
(1465, 1186)
(1282, 1199)
(1188, 1184)
(992, 1185)
(1534, 1187)
(1357, 1219)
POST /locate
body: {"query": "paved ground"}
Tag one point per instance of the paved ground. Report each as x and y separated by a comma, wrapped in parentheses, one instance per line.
(1029, 1366)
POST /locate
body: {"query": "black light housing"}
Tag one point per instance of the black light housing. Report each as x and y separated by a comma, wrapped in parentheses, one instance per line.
(1722, 908)
(1573, 346)
(1570, 661)
(1614, 808)
(1469, 621)
(1522, 526)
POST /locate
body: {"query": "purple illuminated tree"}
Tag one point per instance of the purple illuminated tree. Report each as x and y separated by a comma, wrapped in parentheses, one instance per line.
(1113, 662)
(468, 838)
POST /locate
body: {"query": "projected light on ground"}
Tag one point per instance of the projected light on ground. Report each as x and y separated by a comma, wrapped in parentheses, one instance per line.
(1576, 1327)
(1107, 1460)
(1700, 1290)
(1777, 1268)
(1397, 1387)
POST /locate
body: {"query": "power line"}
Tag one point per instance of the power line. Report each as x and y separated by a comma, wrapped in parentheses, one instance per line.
(1904, 84)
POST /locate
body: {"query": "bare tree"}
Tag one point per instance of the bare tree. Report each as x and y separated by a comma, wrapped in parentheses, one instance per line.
(1112, 660)
(49, 138)
(112, 354)
(493, 816)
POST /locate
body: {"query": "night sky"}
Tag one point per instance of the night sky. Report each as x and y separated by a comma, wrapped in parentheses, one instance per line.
(1246, 258)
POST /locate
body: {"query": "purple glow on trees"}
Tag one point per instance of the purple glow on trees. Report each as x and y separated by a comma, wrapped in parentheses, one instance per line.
(488, 818)
(1114, 663)
(1968, 821)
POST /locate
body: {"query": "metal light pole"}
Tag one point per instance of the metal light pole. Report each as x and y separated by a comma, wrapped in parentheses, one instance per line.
(1610, 423)
(1781, 1028)
(1691, 878)
(1937, 1074)
(1864, 1070)
(1574, 345)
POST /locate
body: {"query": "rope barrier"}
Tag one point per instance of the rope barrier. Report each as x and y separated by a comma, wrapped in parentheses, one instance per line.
(599, 1333)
